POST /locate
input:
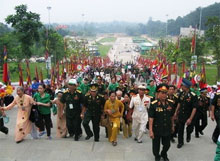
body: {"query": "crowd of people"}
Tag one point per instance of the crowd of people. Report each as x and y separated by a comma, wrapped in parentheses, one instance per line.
(123, 99)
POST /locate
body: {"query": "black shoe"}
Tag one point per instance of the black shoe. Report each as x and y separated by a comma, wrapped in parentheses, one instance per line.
(96, 140)
(19, 141)
(179, 146)
(80, 135)
(135, 139)
(165, 159)
(157, 158)
(88, 137)
(188, 138)
(76, 138)
(173, 140)
(197, 135)
(6, 131)
(201, 132)
(114, 143)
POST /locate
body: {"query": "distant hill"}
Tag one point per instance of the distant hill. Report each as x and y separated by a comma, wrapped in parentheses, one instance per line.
(193, 19)
(3, 29)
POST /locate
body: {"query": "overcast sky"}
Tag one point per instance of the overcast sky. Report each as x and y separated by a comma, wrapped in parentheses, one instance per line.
(67, 11)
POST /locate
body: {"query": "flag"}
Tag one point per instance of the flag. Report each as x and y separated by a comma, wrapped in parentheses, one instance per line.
(183, 68)
(52, 83)
(41, 77)
(58, 72)
(193, 44)
(5, 67)
(28, 73)
(36, 74)
(21, 82)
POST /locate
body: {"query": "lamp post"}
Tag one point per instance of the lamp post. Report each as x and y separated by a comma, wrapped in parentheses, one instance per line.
(166, 25)
(48, 61)
(49, 8)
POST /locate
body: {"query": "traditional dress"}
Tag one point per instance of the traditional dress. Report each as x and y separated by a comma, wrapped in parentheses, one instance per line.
(61, 122)
(23, 124)
(118, 108)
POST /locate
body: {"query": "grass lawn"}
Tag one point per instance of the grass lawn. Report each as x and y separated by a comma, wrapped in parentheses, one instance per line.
(104, 49)
(14, 74)
(107, 39)
(211, 74)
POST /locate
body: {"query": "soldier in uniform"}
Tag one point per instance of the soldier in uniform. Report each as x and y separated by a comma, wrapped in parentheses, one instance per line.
(172, 96)
(201, 113)
(140, 104)
(215, 115)
(101, 86)
(186, 109)
(161, 122)
(73, 100)
(92, 111)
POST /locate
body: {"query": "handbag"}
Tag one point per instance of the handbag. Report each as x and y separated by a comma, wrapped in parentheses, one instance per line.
(5, 119)
(34, 115)
(105, 122)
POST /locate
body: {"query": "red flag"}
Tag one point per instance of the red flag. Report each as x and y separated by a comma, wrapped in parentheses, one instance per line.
(5, 67)
(179, 82)
(41, 77)
(28, 73)
(183, 68)
(58, 72)
(36, 74)
(21, 82)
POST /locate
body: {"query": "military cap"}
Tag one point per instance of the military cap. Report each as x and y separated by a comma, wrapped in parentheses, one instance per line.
(93, 87)
(162, 88)
(72, 82)
(186, 83)
(203, 90)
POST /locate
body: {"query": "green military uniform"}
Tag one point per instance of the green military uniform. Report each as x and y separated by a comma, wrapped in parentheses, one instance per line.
(201, 114)
(94, 108)
(216, 103)
(174, 98)
(162, 125)
(188, 101)
(73, 103)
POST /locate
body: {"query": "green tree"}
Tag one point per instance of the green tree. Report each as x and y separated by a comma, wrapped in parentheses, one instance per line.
(55, 44)
(213, 37)
(26, 25)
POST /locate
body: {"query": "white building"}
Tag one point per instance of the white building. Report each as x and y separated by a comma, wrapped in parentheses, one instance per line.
(189, 31)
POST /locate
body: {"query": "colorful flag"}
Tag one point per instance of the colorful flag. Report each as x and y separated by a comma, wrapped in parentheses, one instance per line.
(5, 67)
(21, 82)
(41, 77)
(28, 73)
(58, 72)
(36, 74)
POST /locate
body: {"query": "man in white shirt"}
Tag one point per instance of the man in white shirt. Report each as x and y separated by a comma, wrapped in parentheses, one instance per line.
(140, 103)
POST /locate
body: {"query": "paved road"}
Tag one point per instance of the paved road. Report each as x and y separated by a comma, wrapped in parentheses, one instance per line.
(201, 149)
(123, 50)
